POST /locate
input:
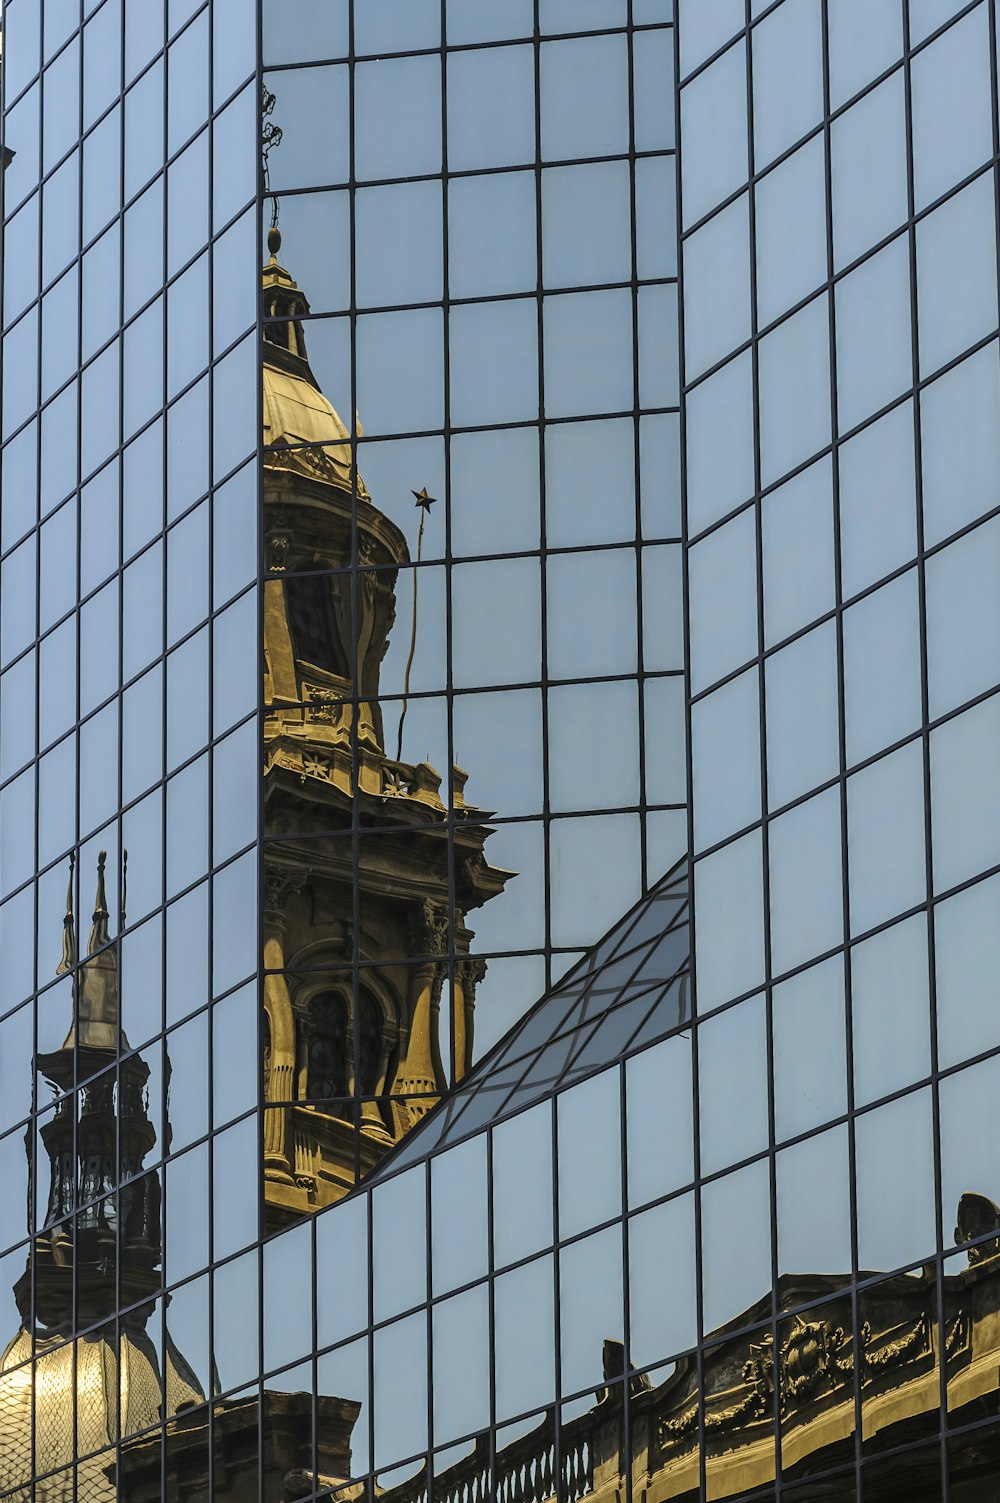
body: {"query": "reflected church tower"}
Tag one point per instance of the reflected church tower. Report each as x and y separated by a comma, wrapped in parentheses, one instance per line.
(97, 1250)
(353, 1057)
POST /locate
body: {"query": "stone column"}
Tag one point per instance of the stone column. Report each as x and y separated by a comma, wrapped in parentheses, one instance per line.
(417, 1073)
(371, 1118)
(469, 971)
(279, 886)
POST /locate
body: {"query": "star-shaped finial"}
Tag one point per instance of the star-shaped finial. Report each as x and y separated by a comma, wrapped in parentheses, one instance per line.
(422, 498)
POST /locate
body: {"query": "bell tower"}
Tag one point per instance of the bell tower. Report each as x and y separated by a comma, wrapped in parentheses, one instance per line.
(361, 908)
(96, 1251)
(95, 1148)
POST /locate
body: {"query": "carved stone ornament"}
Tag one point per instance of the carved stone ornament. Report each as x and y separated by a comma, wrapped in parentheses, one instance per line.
(814, 1360)
(279, 886)
(429, 929)
(807, 1358)
(470, 970)
(278, 545)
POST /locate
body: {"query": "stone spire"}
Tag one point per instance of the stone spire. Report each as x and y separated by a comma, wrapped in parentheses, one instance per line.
(96, 1021)
(68, 960)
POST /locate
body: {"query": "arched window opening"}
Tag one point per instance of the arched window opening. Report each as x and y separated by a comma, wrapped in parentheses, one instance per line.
(327, 1054)
(370, 1043)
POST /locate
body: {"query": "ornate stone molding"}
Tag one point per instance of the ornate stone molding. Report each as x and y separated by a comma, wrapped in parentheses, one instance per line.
(429, 929)
(279, 886)
(814, 1360)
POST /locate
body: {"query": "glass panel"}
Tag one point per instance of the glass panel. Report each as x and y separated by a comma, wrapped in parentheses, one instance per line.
(864, 40)
(729, 921)
(960, 431)
(874, 351)
(725, 740)
(736, 1271)
(878, 514)
(590, 1185)
(963, 620)
(787, 78)
(808, 1024)
(802, 715)
(966, 945)
(790, 227)
(524, 1353)
(889, 1000)
(313, 105)
(968, 1159)
(491, 108)
(399, 1388)
(522, 1184)
(964, 796)
(797, 536)
(399, 1268)
(662, 1311)
(590, 1307)
(584, 98)
(794, 378)
(713, 126)
(952, 116)
(720, 476)
(895, 1184)
(289, 1278)
(659, 1110)
(459, 1251)
(814, 1207)
(342, 1296)
(868, 170)
(882, 668)
(588, 353)
(461, 1339)
(732, 1046)
(957, 274)
(705, 28)
(397, 113)
(717, 288)
(722, 579)
(493, 348)
(885, 838)
(806, 895)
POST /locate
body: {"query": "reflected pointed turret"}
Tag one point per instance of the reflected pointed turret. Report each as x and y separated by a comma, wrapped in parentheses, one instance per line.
(96, 1248)
(96, 1013)
(68, 960)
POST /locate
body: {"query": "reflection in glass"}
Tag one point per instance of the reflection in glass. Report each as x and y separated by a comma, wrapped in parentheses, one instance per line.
(98, 1245)
(336, 1040)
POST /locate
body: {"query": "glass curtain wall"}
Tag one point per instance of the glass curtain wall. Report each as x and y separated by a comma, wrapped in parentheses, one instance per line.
(378, 568)
(842, 422)
(128, 702)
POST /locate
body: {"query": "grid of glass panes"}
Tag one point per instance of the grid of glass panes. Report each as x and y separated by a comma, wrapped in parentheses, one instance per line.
(842, 411)
(128, 624)
(445, 1344)
(457, 189)
(491, 1321)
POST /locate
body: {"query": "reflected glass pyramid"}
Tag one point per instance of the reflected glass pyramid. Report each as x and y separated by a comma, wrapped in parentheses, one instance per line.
(630, 989)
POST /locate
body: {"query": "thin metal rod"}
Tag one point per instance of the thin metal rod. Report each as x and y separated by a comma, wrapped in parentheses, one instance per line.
(413, 640)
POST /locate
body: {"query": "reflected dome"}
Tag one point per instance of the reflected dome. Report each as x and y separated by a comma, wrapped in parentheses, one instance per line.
(115, 1392)
(296, 412)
